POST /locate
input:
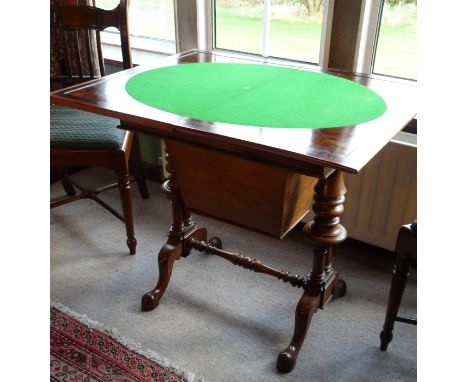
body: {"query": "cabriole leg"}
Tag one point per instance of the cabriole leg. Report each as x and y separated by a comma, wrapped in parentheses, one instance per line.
(324, 231)
(181, 229)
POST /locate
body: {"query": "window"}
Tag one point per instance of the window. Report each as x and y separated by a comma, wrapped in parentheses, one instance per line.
(288, 29)
(395, 51)
(388, 44)
(301, 30)
(151, 24)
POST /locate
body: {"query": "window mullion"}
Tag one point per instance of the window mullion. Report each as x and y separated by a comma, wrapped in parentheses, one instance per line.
(266, 27)
(186, 29)
(205, 23)
(325, 37)
(369, 31)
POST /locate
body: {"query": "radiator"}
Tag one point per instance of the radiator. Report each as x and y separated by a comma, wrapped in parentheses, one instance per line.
(382, 196)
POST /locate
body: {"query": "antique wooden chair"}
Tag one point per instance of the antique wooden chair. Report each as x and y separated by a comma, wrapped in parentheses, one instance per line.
(82, 139)
(405, 250)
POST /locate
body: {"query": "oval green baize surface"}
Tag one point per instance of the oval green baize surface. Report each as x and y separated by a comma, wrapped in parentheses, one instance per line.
(258, 95)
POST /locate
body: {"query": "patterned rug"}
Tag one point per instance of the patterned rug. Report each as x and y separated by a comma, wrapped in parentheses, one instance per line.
(80, 352)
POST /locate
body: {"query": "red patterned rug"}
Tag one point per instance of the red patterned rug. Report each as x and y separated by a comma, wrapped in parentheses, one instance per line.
(79, 352)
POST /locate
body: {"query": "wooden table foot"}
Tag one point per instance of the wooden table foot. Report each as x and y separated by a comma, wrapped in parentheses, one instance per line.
(167, 255)
(216, 242)
(166, 258)
(307, 306)
(340, 289)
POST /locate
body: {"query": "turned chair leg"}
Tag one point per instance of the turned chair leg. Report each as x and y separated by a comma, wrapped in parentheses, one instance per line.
(137, 167)
(406, 244)
(126, 200)
(397, 288)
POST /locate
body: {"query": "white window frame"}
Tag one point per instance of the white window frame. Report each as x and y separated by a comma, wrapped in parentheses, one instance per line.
(328, 7)
(144, 49)
(149, 44)
(205, 24)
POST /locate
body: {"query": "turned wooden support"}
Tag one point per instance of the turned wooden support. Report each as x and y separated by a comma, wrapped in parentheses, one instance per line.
(181, 217)
(323, 231)
(247, 263)
(325, 228)
(328, 264)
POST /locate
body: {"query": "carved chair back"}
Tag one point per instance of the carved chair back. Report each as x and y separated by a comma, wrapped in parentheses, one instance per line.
(77, 37)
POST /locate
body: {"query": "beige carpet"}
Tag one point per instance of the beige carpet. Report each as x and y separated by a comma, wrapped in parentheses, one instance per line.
(215, 319)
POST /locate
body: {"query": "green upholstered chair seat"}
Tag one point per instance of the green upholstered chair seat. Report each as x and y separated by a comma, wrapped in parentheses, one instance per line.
(71, 128)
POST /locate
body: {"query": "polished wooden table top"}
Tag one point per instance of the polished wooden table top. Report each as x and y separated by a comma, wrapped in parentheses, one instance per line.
(313, 152)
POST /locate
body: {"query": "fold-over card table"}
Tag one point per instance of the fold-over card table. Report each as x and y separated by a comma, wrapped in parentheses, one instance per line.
(256, 144)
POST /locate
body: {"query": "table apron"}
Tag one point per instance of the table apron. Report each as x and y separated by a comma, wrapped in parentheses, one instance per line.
(286, 162)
